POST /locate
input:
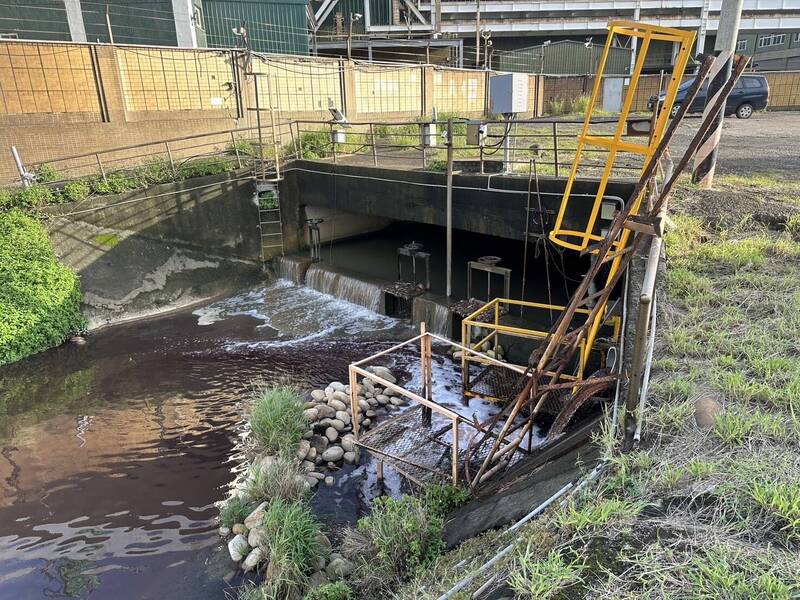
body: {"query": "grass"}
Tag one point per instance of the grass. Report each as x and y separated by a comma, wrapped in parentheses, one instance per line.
(107, 240)
(293, 547)
(692, 512)
(337, 590)
(280, 479)
(39, 296)
(276, 419)
(235, 510)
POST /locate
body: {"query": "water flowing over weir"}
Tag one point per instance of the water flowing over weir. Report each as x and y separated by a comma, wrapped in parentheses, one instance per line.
(292, 268)
(330, 280)
(437, 317)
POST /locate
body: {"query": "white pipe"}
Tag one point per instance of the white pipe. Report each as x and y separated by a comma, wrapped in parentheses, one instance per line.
(469, 578)
(648, 364)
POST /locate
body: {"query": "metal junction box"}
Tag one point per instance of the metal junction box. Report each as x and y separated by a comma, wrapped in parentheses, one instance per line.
(508, 93)
(429, 135)
(476, 133)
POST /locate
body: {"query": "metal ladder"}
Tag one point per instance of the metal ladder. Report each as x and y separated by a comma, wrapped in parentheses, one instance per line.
(269, 219)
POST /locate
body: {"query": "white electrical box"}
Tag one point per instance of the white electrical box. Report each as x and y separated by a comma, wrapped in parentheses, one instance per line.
(476, 133)
(338, 136)
(508, 93)
(429, 135)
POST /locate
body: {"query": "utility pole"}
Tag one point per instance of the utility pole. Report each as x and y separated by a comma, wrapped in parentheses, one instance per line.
(108, 26)
(449, 208)
(477, 33)
(705, 159)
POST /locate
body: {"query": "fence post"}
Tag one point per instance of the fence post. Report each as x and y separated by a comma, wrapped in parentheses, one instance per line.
(455, 451)
(169, 156)
(100, 164)
(236, 151)
(374, 147)
(555, 147)
(22, 175)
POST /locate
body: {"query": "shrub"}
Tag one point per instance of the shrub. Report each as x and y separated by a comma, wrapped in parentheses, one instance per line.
(235, 510)
(397, 540)
(580, 104)
(793, 227)
(315, 144)
(442, 499)
(6, 200)
(267, 201)
(44, 173)
(558, 106)
(277, 420)
(281, 478)
(202, 167)
(291, 535)
(338, 590)
(154, 171)
(115, 183)
(39, 296)
(75, 191)
(32, 196)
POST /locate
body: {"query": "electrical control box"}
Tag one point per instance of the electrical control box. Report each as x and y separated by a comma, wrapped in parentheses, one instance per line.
(476, 133)
(338, 136)
(508, 93)
(429, 135)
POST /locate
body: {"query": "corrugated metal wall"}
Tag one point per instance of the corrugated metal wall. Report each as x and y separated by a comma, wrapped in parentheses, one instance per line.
(563, 58)
(151, 23)
(273, 26)
(47, 20)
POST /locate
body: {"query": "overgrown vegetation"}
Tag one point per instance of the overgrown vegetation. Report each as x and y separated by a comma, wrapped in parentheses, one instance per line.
(276, 419)
(338, 590)
(709, 505)
(39, 296)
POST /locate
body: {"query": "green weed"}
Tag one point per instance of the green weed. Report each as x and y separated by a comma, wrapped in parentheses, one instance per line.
(75, 191)
(535, 578)
(280, 478)
(595, 515)
(45, 173)
(276, 419)
(338, 590)
(782, 500)
(235, 510)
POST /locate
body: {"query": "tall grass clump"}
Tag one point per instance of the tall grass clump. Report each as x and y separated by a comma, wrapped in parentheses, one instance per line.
(39, 296)
(400, 538)
(544, 578)
(291, 534)
(338, 590)
(235, 510)
(276, 419)
(281, 478)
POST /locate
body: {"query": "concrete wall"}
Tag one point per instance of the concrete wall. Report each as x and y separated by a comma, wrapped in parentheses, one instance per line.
(171, 245)
(481, 204)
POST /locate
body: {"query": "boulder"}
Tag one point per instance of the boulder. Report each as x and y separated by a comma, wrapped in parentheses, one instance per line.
(323, 541)
(383, 399)
(348, 443)
(316, 475)
(383, 373)
(224, 531)
(396, 401)
(302, 449)
(256, 537)
(307, 466)
(329, 391)
(325, 411)
(255, 518)
(363, 404)
(366, 423)
(332, 434)
(341, 397)
(311, 481)
(706, 409)
(343, 416)
(238, 548)
(337, 424)
(369, 385)
(333, 454)
(318, 395)
(329, 481)
(317, 579)
(337, 386)
(337, 405)
(253, 559)
(339, 568)
(312, 453)
(239, 528)
(312, 414)
(351, 457)
(371, 414)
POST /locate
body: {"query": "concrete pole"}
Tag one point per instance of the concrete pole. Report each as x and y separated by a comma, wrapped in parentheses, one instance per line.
(449, 207)
(77, 30)
(705, 159)
(477, 33)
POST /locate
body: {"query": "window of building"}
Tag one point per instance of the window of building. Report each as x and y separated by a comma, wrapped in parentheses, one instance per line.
(797, 36)
(774, 39)
(741, 45)
(197, 17)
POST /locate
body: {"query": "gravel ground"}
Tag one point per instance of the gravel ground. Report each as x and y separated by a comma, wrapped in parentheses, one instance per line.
(766, 142)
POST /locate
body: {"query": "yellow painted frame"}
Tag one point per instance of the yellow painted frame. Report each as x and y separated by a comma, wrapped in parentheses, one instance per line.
(495, 328)
(580, 240)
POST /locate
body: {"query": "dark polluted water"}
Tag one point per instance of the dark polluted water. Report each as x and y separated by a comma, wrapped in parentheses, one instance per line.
(114, 453)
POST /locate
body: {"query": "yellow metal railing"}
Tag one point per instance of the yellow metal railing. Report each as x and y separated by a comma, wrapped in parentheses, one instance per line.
(582, 239)
(493, 311)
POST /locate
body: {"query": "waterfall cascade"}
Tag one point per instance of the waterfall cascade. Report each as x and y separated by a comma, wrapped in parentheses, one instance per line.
(328, 280)
(438, 317)
(292, 268)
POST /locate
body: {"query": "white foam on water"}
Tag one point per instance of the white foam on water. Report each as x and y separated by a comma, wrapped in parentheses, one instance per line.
(296, 314)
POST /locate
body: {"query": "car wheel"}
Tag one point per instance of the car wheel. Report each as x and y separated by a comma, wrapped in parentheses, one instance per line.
(675, 108)
(745, 111)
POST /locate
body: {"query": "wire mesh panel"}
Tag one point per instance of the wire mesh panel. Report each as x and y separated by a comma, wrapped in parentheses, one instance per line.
(458, 91)
(46, 78)
(784, 89)
(388, 90)
(161, 79)
(298, 85)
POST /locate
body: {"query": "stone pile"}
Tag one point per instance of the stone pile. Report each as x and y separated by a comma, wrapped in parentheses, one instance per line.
(327, 444)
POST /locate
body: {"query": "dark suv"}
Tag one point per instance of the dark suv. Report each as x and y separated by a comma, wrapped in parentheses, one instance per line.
(750, 93)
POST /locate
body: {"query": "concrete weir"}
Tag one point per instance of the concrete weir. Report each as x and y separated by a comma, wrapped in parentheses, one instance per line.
(339, 283)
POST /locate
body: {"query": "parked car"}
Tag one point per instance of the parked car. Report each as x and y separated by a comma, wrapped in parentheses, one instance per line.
(750, 93)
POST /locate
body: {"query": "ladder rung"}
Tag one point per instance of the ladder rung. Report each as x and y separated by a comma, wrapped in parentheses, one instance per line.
(271, 234)
(268, 209)
(272, 246)
(269, 222)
